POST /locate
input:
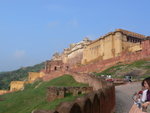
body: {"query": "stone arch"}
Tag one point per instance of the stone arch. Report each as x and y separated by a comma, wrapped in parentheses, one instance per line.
(102, 102)
(55, 68)
(88, 106)
(96, 104)
(107, 100)
(75, 109)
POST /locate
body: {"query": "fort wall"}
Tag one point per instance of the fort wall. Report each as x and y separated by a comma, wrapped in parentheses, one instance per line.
(32, 76)
(4, 92)
(111, 45)
(125, 57)
(17, 85)
(93, 102)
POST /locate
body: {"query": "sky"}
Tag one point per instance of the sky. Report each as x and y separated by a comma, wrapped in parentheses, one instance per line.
(31, 31)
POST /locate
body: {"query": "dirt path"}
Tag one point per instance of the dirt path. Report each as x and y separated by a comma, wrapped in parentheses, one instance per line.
(124, 96)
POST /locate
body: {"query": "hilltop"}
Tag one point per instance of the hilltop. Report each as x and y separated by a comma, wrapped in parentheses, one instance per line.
(19, 74)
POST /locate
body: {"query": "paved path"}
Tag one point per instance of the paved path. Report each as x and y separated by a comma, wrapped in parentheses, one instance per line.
(124, 96)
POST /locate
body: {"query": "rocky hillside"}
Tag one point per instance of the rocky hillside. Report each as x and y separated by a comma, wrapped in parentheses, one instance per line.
(19, 74)
(138, 69)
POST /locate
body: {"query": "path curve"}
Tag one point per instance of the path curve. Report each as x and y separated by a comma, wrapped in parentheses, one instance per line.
(124, 96)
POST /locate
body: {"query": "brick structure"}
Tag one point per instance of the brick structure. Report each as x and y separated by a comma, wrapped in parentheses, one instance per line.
(55, 65)
(60, 92)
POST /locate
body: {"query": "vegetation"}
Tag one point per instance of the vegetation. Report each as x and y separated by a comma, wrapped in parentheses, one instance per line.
(20, 74)
(140, 69)
(34, 96)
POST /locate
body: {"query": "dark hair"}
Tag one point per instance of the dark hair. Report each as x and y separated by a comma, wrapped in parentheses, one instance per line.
(147, 80)
(143, 83)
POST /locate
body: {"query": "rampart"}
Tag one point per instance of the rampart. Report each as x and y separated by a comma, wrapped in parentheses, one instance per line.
(100, 100)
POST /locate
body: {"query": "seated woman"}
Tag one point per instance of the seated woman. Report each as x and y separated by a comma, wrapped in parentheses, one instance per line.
(140, 97)
(147, 86)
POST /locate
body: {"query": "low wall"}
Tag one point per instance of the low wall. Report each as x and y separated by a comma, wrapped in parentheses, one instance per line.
(4, 92)
(60, 92)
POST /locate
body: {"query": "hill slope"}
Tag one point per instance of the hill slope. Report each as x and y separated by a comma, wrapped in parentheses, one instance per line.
(20, 74)
(34, 97)
(140, 69)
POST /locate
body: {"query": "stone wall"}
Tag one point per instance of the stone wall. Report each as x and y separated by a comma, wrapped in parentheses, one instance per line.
(4, 92)
(17, 85)
(61, 92)
(95, 82)
(100, 101)
(33, 76)
(57, 65)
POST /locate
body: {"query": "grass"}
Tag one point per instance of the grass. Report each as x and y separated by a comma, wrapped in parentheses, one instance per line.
(117, 70)
(35, 98)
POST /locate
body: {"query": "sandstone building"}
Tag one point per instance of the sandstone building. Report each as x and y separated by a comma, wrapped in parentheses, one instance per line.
(74, 54)
(112, 45)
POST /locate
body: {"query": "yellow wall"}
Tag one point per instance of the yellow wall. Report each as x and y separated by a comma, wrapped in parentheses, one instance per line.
(103, 48)
(135, 48)
(108, 46)
(17, 85)
(3, 92)
(34, 76)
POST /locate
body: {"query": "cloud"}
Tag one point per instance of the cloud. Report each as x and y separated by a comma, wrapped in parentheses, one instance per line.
(19, 54)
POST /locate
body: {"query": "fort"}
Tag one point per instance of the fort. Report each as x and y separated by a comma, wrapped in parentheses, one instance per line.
(120, 46)
(79, 60)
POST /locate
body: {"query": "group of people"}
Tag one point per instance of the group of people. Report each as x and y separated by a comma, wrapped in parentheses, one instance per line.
(143, 96)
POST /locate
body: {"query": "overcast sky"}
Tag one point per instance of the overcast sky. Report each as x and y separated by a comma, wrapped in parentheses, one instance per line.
(32, 30)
